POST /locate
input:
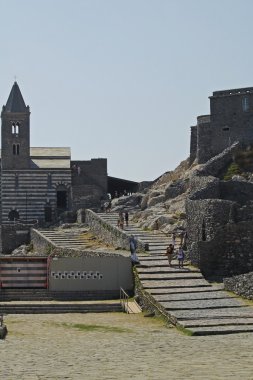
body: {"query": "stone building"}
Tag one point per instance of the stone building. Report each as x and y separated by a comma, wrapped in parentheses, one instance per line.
(40, 183)
(230, 120)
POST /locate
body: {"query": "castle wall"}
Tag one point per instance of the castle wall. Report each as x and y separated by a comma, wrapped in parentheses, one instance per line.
(204, 137)
(193, 144)
(230, 120)
(220, 230)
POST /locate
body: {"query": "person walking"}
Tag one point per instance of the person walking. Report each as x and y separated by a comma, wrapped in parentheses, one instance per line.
(121, 220)
(169, 253)
(126, 217)
(173, 239)
(133, 247)
(180, 257)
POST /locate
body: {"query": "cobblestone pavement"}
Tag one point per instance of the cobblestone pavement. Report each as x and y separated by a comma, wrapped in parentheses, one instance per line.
(40, 347)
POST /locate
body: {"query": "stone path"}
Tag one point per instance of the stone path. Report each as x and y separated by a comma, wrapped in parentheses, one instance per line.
(113, 346)
(188, 299)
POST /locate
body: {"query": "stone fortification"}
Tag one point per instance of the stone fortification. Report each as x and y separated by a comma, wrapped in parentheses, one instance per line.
(241, 285)
(230, 120)
(219, 220)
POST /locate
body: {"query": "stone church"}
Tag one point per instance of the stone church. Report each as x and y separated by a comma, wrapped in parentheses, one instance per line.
(38, 184)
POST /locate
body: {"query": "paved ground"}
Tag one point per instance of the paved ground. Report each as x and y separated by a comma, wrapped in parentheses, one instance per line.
(40, 347)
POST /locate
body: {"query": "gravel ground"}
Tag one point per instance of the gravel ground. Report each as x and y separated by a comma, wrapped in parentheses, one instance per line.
(119, 346)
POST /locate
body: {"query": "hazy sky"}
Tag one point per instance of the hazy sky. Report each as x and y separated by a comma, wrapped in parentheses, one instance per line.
(123, 79)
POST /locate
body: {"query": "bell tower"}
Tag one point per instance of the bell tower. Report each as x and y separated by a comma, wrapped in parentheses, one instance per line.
(15, 132)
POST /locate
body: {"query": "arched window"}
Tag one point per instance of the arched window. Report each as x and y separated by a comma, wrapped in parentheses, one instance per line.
(15, 149)
(245, 104)
(13, 215)
(15, 128)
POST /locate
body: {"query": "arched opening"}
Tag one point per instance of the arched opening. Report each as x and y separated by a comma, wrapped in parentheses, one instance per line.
(13, 215)
(62, 197)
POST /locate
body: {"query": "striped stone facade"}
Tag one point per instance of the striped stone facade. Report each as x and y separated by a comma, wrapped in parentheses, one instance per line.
(38, 184)
(32, 192)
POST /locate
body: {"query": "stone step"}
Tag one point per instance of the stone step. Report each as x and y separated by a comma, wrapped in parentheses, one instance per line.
(168, 270)
(238, 312)
(185, 291)
(164, 267)
(170, 276)
(195, 304)
(202, 304)
(221, 330)
(174, 283)
(202, 295)
(59, 308)
(216, 322)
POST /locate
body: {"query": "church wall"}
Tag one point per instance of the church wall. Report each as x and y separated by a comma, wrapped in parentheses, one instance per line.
(89, 182)
(29, 191)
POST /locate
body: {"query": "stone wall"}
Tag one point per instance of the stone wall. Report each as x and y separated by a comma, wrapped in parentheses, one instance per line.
(230, 120)
(219, 230)
(204, 136)
(110, 234)
(241, 285)
(85, 270)
(193, 144)
(89, 182)
(230, 252)
(12, 236)
(215, 165)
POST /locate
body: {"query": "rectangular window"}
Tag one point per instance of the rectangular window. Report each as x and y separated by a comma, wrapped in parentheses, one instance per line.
(16, 181)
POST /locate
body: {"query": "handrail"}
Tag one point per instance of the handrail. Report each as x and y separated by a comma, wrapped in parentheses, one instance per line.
(124, 297)
(128, 306)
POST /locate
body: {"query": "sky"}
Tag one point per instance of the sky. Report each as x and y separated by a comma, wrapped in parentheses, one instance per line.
(123, 79)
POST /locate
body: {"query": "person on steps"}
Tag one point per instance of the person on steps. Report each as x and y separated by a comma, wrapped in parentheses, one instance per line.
(180, 257)
(133, 247)
(169, 253)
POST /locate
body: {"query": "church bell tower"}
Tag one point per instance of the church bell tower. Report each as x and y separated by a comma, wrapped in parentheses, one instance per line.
(15, 132)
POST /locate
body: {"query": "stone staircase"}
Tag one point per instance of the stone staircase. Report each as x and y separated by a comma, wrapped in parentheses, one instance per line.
(58, 307)
(66, 238)
(189, 301)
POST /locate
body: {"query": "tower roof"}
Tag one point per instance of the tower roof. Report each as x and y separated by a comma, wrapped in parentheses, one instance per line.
(15, 102)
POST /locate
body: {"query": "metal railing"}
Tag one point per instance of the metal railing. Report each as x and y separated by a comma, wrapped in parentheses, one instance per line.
(124, 297)
(128, 306)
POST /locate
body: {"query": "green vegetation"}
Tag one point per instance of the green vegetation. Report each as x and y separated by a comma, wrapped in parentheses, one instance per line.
(244, 159)
(242, 165)
(89, 328)
(232, 170)
(184, 331)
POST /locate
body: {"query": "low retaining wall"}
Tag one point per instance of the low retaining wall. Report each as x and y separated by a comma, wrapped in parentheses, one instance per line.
(84, 270)
(148, 303)
(110, 234)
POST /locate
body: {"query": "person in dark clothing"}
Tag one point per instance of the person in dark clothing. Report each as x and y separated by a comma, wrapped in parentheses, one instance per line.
(126, 218)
